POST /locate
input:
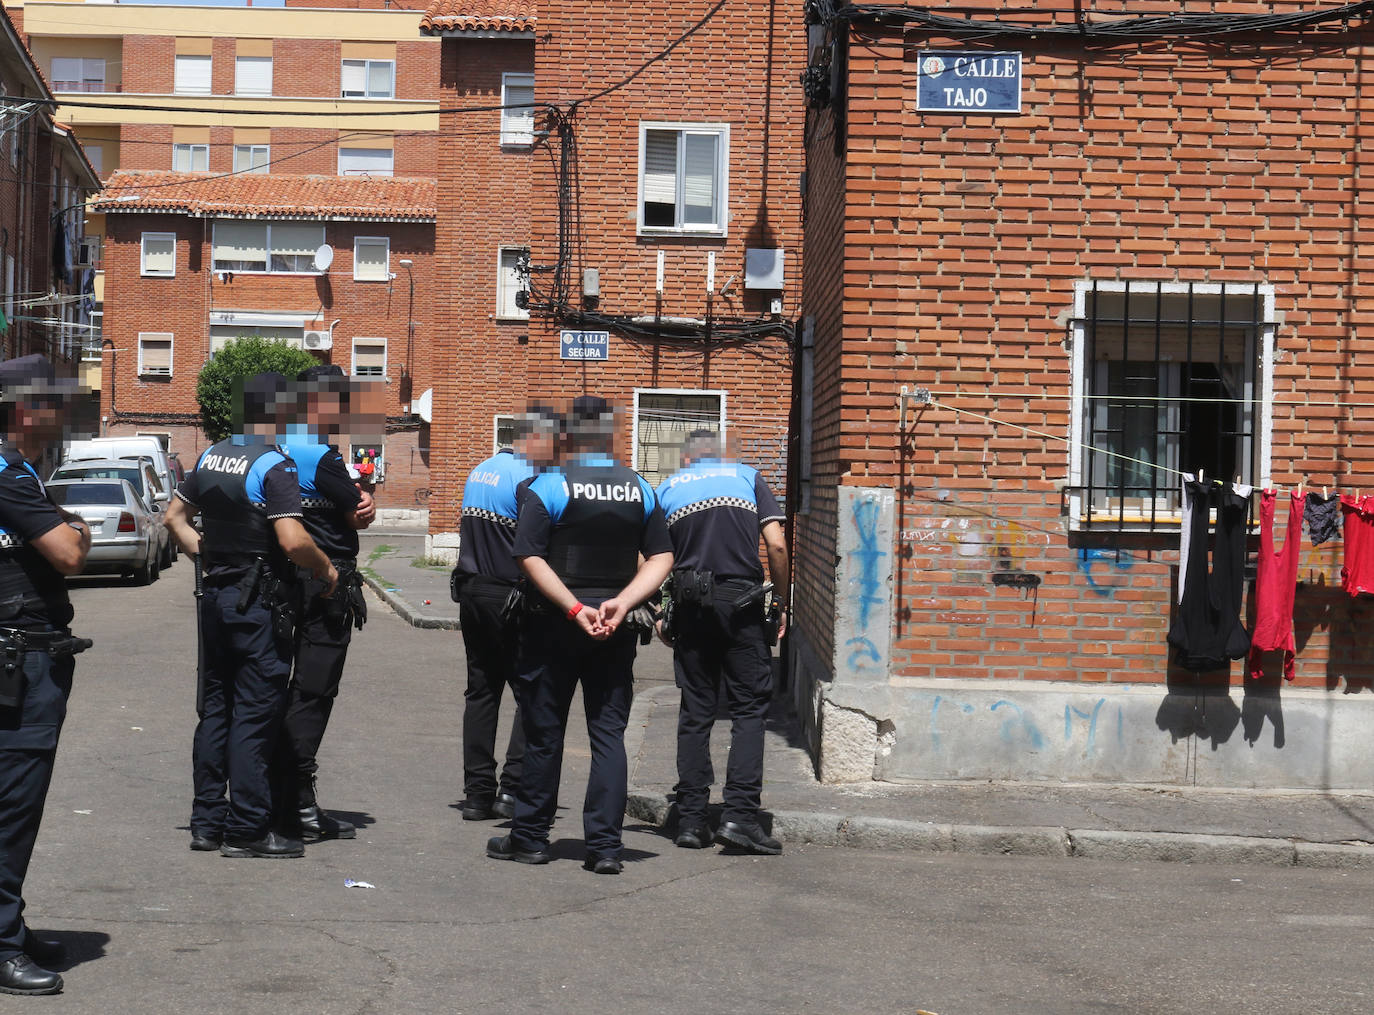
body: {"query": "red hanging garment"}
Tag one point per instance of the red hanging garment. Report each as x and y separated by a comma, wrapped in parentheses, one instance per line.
(1275, 585)
(1358, 573)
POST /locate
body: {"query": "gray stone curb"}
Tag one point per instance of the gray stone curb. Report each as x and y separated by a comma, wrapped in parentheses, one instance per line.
(406, 612)
(859, 832)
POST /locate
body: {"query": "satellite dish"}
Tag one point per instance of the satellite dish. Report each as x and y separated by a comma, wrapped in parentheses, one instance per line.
(324, 257)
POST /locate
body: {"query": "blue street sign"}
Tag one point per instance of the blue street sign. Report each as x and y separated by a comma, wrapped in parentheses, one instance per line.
(968, 81)
(584, 345)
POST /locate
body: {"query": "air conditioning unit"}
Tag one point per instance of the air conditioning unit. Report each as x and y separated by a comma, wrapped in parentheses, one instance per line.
(86, 253)
(318, 340)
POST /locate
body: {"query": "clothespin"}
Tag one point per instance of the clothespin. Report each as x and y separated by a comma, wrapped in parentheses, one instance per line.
(1201, 476)
(1238, 483)
(1325, 494)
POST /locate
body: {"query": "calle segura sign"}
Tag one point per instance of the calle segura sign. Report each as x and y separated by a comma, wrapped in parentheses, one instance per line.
(968, 81)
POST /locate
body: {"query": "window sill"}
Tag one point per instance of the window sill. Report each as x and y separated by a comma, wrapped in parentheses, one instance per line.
(712, 233)
(157, 274)
(521, 319)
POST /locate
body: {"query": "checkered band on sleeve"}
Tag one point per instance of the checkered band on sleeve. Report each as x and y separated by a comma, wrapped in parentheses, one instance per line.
(489, 516)
(712, 502)
(317, 503)
(10, 542)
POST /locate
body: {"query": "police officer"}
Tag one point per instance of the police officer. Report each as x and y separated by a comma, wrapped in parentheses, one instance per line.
(579, 537)
(716, 511)
(334, 509)
(485, 584)
(245, 490)
(39, 543)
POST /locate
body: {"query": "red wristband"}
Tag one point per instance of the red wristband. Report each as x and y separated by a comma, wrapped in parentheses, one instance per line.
(574, 611)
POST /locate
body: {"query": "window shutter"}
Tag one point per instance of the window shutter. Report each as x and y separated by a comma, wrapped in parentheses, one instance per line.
(192, 75)
(66, 73)
(296, 238)
(699, 183)
(371, 260)
(93, 73)
(369, 358)
(242, 242)
(159, 254)
(353, 77)
(517, 125)
(253, 75)
(372, 161)
(660, 167)
(155, 353)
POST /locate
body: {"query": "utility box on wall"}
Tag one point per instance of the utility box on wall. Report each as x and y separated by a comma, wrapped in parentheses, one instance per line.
(763, 268)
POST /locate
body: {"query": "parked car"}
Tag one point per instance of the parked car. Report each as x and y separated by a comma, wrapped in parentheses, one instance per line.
(178, 470)
(124, 447)
(139, 472)
(123, 529)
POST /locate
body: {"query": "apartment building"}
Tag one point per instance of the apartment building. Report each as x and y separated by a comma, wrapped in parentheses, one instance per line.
(1057, 260)
(268, 171)
(45, 179)
(645, 242)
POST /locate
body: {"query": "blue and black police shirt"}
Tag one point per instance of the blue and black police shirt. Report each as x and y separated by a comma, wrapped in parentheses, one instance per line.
(269, 490)
(490, 510)
(591, 520)
(715, 511)
(25, 514)
(328, 496)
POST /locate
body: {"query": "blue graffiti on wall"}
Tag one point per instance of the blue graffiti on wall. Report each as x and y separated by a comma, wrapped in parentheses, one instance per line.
(1018, 727)
(1120, 559)
(866, 524)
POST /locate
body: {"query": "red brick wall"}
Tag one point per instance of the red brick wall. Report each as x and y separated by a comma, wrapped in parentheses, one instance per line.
(963, 239)
(484, 204)
(182, 305)
(149, 63)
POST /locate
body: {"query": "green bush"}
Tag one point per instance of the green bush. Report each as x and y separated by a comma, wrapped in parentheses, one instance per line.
(241, 357)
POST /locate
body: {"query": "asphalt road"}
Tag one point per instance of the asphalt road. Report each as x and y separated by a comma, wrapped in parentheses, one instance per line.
(156, 928)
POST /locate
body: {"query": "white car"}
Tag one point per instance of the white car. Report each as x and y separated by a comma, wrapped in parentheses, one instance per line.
(123, 536)
(139, 472)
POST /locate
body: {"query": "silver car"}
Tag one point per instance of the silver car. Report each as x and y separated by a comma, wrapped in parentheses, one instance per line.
(141, 475)
(123, 529)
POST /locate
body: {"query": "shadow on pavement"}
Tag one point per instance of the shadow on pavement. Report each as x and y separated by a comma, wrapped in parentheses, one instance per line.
(82, 946)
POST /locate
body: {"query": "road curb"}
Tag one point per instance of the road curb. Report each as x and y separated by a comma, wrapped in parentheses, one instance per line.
(408, 613)
(860, 832)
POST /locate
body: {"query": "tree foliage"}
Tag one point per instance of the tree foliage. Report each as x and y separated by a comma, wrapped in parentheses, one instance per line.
(241, 357)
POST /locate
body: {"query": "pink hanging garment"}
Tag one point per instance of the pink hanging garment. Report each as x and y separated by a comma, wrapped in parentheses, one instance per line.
(1275, 585)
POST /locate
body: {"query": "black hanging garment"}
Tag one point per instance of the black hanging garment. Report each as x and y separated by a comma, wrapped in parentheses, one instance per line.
(1207, 630)
(1323, 517)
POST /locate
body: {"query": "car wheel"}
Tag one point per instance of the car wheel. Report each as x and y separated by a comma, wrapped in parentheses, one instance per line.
(154, 567)
(143, 575)
(167, 556)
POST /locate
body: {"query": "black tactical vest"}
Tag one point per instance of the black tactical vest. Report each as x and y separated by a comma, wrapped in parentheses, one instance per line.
(235, 529)
(32, 591)
(594, 546)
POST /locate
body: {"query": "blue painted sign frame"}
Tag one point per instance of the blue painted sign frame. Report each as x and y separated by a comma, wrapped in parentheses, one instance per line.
(968, 81)
(584, 346)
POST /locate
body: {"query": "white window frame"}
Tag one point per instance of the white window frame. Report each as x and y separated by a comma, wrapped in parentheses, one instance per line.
(1078, 401)
(507, 310)
(367, 77)
(190, 150)
(267, 248)
(158, 336)
(179, 86)
(143, 255)
(513, 133)
(239, 89)
(391, 169)
(496, 422)
(84, 78)
(718, 228)
(386, 269)
(250, 149)
(720, 393)
(93, 347)
(353, 355)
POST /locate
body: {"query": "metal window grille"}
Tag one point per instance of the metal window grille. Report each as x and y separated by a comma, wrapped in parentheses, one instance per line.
(1171, 380)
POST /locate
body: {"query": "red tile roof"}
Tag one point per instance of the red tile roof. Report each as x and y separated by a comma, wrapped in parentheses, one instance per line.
(479, 16)
(269, 195)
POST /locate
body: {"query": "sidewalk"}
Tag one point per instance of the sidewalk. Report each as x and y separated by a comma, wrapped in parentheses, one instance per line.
(1132, 823)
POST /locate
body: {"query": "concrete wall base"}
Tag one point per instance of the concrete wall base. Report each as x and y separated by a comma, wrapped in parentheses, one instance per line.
(920, 729)
(442, 546)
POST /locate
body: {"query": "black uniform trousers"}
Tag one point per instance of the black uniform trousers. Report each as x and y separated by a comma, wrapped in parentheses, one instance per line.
(719, 650)
(555, 656)
(28, 749)
(323, 634)
(490, 644)
(247, 671)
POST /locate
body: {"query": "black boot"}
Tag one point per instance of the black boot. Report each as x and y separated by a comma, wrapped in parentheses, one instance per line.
(317, 824)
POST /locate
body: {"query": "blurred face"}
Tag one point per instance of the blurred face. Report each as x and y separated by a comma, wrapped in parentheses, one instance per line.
(326, 412)
(40, 420)
(536, 448)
